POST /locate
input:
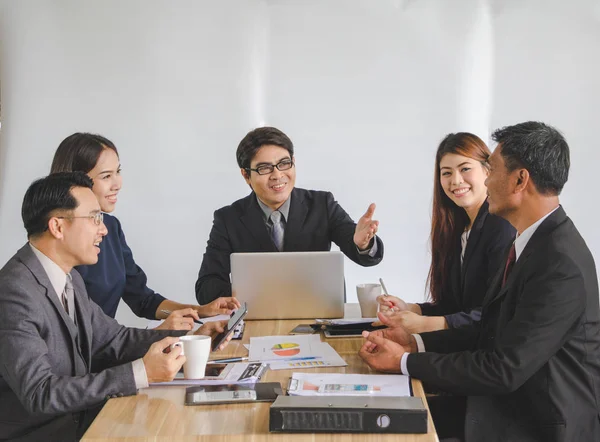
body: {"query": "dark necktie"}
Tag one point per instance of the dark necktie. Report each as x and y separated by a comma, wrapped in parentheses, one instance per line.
(510, 262)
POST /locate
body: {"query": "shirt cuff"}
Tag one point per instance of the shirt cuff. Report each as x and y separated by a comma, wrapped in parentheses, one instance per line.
(372, 251)
(403, 368)
(420, 343)
(404, 359)
(139, 374)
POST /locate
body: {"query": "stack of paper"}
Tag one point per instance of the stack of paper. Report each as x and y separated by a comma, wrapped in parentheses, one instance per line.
(294, 352)
(337, 384)
(346, 321)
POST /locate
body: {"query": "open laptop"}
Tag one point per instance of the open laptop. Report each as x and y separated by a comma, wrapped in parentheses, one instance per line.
(289, 285)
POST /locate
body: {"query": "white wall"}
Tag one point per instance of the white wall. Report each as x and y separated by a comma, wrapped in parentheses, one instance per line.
(365, 89)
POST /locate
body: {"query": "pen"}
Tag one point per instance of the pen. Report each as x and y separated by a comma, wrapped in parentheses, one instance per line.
(385, 292)
(227, 360)
(168, 312)
(307, 358)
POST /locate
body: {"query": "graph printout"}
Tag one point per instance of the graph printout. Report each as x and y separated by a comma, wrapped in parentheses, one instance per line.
(294, 352)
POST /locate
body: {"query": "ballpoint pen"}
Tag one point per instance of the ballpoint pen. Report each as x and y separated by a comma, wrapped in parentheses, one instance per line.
(306, 358)
(385, 292)
(168, 312)
(228, 360)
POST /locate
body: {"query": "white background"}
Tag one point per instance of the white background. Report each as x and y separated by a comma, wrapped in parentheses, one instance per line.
(365, 89)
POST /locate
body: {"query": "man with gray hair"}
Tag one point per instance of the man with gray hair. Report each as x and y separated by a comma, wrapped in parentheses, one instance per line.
(531, 366)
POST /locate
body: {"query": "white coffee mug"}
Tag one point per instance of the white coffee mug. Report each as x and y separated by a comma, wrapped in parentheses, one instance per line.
(367, 298)
(196, 349)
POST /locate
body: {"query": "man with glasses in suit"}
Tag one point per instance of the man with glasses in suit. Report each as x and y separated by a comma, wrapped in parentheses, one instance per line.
(276, 216)
(51, 332)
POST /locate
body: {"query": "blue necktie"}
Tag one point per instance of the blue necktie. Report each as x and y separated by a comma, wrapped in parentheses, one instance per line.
(277, 232)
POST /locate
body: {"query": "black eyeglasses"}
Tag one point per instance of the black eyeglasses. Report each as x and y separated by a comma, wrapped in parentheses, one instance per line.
(97, 217)
(265, 169)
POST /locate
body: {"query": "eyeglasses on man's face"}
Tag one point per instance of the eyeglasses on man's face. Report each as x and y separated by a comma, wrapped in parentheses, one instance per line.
(98, 217)
(265, 169)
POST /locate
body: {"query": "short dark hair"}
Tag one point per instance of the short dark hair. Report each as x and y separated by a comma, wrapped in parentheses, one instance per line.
(80, 152)
(539, 148)
(257, 138)
(47, 195)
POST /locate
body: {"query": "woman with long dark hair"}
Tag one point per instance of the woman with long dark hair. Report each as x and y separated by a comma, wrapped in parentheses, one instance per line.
(467, 242)
(116, 276)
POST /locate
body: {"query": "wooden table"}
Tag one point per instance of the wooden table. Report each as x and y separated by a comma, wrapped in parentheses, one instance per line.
(158, 413)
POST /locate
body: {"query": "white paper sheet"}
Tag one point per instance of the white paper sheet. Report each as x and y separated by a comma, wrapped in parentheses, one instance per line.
(294, 352)
(307, 384)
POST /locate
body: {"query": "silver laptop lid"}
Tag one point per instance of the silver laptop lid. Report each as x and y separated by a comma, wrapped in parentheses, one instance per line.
(289, 285)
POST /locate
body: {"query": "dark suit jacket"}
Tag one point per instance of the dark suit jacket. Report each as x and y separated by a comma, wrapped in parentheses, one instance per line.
(46, 384)
(531, 366)
(462, 298)
(315, 220)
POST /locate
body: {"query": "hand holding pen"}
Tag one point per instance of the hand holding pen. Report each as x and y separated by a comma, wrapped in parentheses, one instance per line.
(389, 302)
(183, 319)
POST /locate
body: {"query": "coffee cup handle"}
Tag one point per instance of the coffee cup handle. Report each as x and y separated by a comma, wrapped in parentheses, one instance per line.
(178, 344)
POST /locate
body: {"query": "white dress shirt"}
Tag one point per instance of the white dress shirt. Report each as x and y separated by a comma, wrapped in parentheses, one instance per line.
(58, 279)
(520, 243)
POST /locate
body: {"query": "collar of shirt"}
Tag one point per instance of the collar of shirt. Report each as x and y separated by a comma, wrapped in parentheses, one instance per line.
(522, 239)
(266, 210)
(58, 278)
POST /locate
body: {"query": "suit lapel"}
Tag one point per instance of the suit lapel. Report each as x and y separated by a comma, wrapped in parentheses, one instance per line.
(84, 325)
(35, 266)
(543, 230)
(512, 277)
(295, 221)
(474, 237)
(253, 220)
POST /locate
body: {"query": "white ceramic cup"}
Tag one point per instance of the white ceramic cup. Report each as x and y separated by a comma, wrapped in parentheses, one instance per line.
(367, 298)
(196, 349)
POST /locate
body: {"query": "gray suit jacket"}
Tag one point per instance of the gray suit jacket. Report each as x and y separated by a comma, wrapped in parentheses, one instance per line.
(46, 381)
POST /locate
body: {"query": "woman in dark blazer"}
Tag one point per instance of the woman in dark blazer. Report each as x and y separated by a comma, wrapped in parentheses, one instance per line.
(116, 276)
(468, 244)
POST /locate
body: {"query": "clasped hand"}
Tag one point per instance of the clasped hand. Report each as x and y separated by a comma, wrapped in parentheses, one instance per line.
(383, 349)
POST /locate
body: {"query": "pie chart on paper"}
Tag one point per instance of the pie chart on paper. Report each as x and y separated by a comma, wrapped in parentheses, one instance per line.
(286, 349)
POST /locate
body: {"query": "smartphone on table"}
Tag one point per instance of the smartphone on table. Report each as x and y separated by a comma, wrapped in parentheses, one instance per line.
(305, 329)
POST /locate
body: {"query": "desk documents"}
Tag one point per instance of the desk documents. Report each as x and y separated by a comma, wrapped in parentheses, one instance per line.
(294, 352)
(217, 374)
(337, 384)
